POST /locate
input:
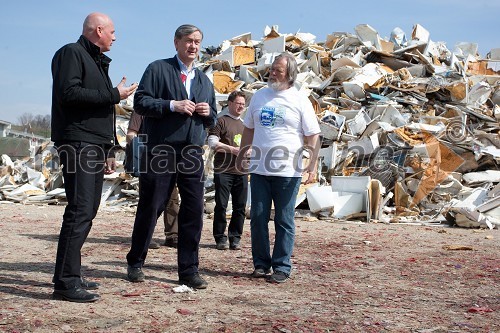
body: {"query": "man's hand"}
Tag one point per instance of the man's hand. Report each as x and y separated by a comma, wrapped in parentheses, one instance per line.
(110, 166)
(242, 162)
(311, 176)
(235, 150)
(312, 145)
(203, 109)
(125, 91)
(186, 106)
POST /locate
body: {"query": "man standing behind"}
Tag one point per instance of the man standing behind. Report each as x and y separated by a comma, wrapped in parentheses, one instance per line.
(177, 101)
(83, 131)
(225, 139)
(279, 124)
(172, 208)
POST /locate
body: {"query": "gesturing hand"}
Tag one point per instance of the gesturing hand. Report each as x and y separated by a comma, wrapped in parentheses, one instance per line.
(125, 91)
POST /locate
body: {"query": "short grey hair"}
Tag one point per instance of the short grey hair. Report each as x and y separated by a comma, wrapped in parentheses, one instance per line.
(291, 67)
(185, 30)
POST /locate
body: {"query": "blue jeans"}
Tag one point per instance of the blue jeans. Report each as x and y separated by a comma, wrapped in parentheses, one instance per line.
(283, 192)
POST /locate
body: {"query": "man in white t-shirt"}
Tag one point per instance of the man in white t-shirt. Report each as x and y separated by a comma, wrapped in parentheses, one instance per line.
(279, 125)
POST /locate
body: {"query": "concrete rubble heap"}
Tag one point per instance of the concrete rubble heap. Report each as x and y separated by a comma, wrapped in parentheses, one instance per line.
(410, 129)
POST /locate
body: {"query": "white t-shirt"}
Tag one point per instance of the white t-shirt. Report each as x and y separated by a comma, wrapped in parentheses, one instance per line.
(280, 120)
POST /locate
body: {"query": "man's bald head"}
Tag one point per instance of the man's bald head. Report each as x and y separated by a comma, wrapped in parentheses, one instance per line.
(92, 21)
(100, 30)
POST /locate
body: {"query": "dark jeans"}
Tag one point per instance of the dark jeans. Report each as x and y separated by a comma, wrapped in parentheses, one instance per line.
(161, 174)
(237, 186)
(83, 171)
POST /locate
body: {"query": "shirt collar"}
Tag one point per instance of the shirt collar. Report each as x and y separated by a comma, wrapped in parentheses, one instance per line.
(184, 68)
(234, 117)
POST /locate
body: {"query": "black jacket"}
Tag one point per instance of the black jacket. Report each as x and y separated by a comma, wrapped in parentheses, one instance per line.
(160, 84)
(83, 96)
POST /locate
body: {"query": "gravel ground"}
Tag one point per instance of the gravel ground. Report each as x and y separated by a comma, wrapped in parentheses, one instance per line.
(347, 277)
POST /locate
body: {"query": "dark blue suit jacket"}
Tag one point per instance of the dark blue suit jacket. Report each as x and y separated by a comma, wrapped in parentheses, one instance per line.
(160, 84)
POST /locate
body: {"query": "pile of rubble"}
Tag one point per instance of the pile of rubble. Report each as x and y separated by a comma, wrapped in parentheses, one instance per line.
(410, 129)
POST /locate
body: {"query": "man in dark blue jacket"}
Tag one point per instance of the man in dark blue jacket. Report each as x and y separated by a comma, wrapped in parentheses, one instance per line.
(83, 131)
(177, 101)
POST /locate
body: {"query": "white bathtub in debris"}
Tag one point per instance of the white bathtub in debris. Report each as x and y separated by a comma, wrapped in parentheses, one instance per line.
(346, 196)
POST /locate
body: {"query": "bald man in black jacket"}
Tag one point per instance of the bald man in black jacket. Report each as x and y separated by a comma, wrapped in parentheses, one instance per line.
(83, 131)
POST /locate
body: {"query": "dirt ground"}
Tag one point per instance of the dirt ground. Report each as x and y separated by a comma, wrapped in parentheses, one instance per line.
(347, 277)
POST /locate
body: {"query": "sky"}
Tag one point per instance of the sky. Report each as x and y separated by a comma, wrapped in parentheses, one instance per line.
(31, 31)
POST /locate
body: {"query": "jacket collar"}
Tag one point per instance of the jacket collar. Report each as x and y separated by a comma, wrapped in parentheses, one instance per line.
(94, 51)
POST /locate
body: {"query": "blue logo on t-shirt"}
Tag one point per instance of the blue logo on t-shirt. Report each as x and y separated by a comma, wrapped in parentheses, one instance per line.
(267, 117)
(272, 116)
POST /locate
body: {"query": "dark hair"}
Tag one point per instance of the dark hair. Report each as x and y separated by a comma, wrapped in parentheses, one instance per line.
(234, 94)
(291, 67)
(186, 29)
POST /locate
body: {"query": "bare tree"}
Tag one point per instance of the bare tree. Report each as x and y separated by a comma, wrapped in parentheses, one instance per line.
(41, 121)
(37, 124)
(25, 119)
(42, 124)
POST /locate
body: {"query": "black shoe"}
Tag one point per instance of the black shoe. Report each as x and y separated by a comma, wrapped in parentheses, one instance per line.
(235, 246)
(221, 246)
(89, 285)
(77, 294)
(260, 272)
(278, 277)
(171, 242)
(135, 274)
(194, 281)
(154, 245)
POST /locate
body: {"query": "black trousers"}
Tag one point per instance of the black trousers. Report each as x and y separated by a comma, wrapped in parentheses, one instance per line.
(83, 171)
(159, 174)
(237, 186)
